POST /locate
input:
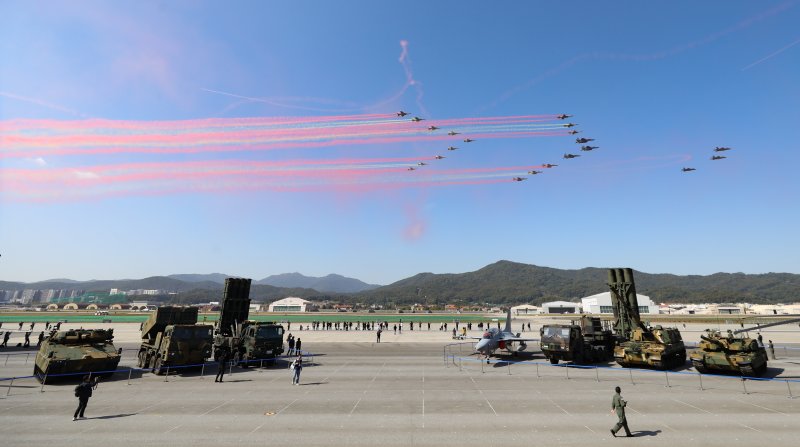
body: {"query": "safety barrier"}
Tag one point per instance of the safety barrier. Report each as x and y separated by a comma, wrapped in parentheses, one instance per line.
(167, 369)
(451, 359)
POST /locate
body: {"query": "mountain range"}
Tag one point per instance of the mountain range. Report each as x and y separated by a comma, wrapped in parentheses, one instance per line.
(503, 282)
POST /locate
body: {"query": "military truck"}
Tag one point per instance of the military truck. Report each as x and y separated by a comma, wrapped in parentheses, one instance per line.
(77, 351)
(244, 341)
(587, 342)
(640, 345)
(171, 338)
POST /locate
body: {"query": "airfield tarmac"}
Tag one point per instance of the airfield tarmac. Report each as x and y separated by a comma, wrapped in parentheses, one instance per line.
(400, 393)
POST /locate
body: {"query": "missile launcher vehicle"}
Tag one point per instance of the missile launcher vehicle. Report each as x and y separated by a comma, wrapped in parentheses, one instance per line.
(171, 338)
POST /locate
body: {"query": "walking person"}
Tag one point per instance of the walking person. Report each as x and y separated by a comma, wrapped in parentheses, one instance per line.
(41, 338)
(222, 361)
(290, 340)
(297, 345)
(5, 339)
(771, 349)
(297, 367)
(27, 343)
(618, 404)
(379, 335)
(83, 392)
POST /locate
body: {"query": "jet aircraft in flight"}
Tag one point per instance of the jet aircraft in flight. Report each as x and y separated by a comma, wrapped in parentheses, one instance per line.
(468, 140)
(417, 119)
(563, 116)
(688, 169)
(573, 132)
(519, 179)
(721, 149)
(432, 128)
(451, 148)
(534, 172)
(718, 157)
(568, 156)
(588, 148)
(452, 132)
(583, 140)
(569, 125)
(439, 157)
(401, 114)
(548, 165)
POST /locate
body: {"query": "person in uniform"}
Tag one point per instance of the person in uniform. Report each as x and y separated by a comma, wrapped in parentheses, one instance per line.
(222, 361)
(83, 392)
(618, 404)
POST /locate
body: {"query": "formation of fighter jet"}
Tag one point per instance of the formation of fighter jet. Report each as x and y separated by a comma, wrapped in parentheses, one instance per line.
(688, 169)
(573, 132)
(534, 172)
(583, 140)
(563, 116)
(589, 148)
(439, 157)
(494, 339)
(519, 179)
(417, 119)
(468, 140)
(569, 125)
(452, 132)
(451, 148)
(717, 157)
(548, 165)
(401, 114)
(721, 149)
(568, 156)
(432, 128)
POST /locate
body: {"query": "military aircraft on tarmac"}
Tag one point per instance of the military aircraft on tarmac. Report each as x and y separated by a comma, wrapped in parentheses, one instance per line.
(452, 132)
(494, 339)
(519, 179)
(534, 172)
(717, 157)
(720, 149)
(588, 148)
(573, 132)
(452, 148)
(563, 116)
(432, 128)
(548, 165)
(439, 157)
(401, 114)
(569, 125)
(467, 140)
(571, 156)
(417, 119)
(583, 140)
(688, 169)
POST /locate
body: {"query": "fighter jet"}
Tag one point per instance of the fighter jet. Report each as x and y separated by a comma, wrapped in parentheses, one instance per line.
(467, 140)
(417, 119)
(688, 169)
(721, 149)
(411, 168)
(401, 114)
(717, 157)
(422, 163)
(571, 156)
(583, 140)
(588, 148)
(494, 339)
(452, 132)
(432, 128)
(452, 148)
(534, 172)
(519, 179)
(548, 165)
(563, 116)
(569, 125)
(573, 132)
(439, 157)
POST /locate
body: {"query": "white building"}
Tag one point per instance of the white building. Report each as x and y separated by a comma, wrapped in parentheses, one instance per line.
(526, 309)
(291, 304)
(561, 307)
(601, 304)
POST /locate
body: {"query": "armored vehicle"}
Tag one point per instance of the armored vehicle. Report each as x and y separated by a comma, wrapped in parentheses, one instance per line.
(171, 338)
(740, 355)
(640, 345)
(587, 342)
(244, 341)
(77, 351)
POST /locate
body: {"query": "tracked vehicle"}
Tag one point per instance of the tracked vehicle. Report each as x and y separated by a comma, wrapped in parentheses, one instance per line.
(78, 352)
(640, 345)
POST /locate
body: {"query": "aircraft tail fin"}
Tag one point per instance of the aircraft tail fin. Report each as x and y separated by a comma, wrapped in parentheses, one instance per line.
(508, 321)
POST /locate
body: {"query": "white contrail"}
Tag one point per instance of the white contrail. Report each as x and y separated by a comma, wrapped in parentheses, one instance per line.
(772, 55)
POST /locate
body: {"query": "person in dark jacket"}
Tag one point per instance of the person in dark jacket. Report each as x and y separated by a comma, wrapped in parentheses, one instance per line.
(297, 345)
(222, 361)
(83, 392)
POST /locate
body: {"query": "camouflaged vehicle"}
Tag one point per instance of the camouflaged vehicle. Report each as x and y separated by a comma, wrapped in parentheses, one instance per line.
(172, 339)
(731, 354)
(587, 342)
(656, 347)
(76, 352)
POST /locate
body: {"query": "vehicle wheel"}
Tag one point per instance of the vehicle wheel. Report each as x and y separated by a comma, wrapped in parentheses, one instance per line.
(553, 361)
(140, 362)
(157, 367)
(243, 362)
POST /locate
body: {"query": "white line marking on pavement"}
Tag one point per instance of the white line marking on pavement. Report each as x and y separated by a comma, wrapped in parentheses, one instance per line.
(559, 406)
(751, 428)
(173, 428)
(290, 404)
(423, 408)
(759, 406)
(587, 427)
(224, 403)
(354, 406)
(690, 405)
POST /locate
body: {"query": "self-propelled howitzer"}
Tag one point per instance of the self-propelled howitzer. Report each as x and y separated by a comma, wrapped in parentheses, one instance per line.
(78, 352)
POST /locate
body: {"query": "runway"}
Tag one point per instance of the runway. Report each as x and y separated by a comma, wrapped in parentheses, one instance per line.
(400, 394)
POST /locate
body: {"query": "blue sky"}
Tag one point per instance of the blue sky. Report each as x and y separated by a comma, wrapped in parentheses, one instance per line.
(658, 87)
